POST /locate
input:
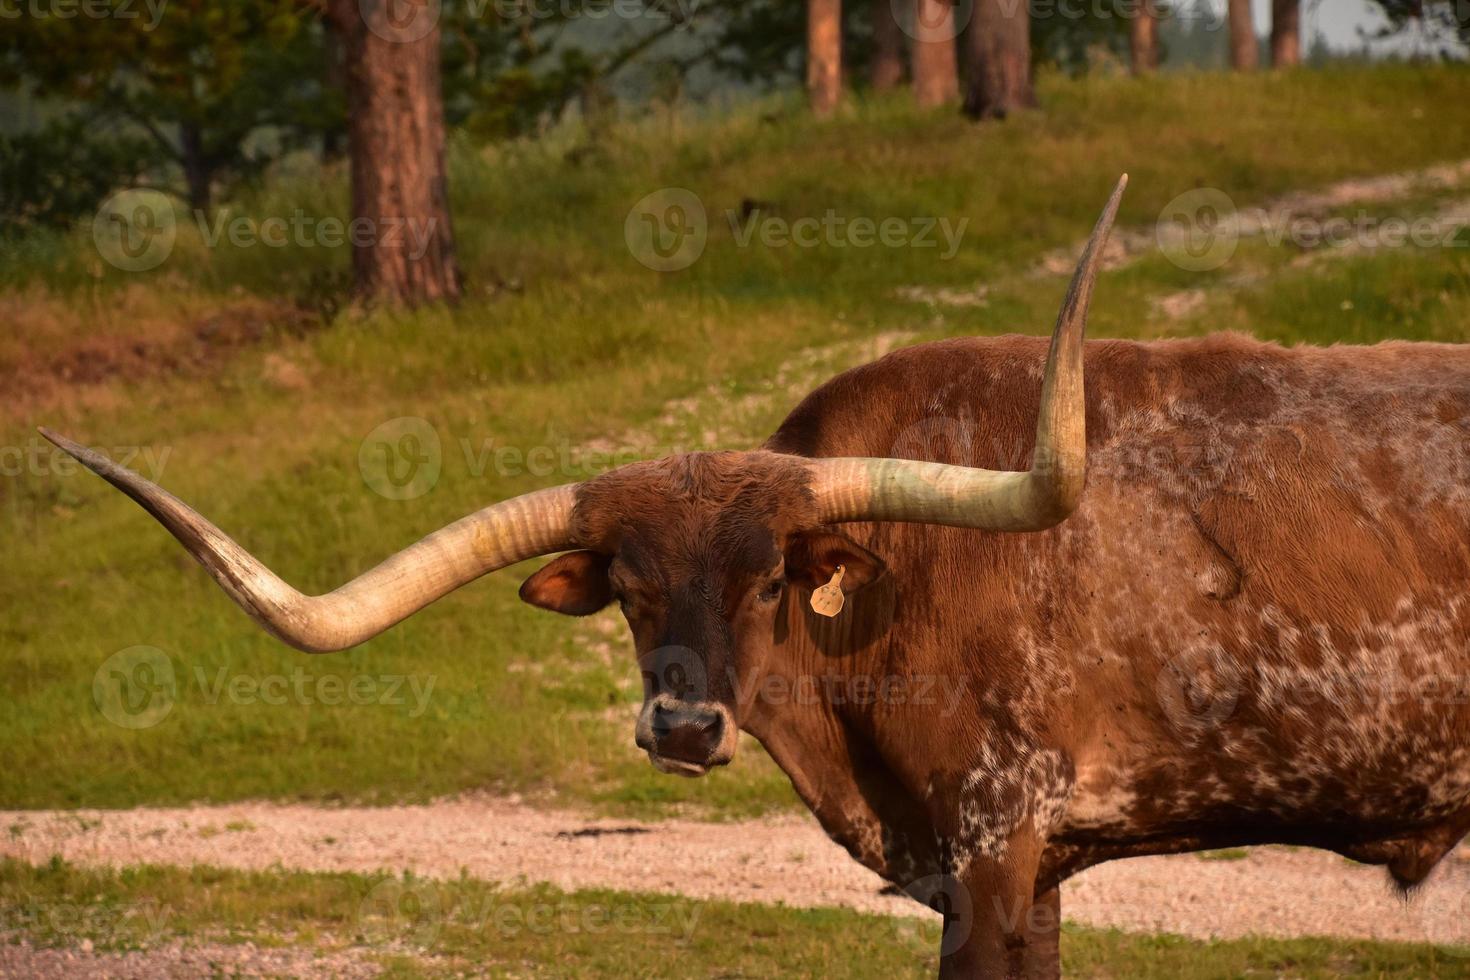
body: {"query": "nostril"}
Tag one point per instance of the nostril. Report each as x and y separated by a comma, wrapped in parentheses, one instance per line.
(667, 720)
(688, 732)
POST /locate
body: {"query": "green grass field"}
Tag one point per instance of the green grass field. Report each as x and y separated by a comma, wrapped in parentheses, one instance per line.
(418, 927)
(217, 360)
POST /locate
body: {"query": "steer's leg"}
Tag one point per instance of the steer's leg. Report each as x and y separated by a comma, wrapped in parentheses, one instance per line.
(1042, 957)
(1002, 931)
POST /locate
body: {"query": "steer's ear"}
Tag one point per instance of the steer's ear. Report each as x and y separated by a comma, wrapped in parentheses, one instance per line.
(575, 584)
(813, 556)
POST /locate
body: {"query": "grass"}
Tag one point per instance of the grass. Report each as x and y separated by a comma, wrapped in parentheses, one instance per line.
(418, 927)
(1224, 854)
(563, 340)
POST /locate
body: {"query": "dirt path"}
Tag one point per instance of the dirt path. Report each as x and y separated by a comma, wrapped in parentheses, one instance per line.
(1266, 891)
(1127, 244)
(207, 959)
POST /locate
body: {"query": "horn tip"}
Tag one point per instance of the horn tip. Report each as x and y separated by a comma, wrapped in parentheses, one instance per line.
(93, 461)
(1119, 188)
(57, 439)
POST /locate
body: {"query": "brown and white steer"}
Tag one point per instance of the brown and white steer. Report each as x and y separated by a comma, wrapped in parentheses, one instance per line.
(1252, 627)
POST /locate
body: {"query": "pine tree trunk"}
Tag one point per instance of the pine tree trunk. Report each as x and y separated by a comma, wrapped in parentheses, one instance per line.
(402, 237)
(887, 68)
(1243, 53)
(333, 142)
(936, 71)
(198, 175)
(1000, 81)
(1143, 39)
(824, 55)
(1286, 33)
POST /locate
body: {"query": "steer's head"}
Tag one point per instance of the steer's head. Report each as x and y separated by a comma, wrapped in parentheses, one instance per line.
(700, 550)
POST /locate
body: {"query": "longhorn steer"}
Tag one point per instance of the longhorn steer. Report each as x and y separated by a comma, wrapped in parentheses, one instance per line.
(1251, 628)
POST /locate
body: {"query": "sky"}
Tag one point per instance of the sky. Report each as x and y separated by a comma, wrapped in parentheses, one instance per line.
(1341, 22)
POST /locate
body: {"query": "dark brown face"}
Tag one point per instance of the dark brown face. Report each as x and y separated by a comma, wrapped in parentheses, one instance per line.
(701, 556)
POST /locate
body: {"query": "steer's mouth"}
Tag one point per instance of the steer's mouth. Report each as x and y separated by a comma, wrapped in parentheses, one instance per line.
(678, 767)
(686, 738)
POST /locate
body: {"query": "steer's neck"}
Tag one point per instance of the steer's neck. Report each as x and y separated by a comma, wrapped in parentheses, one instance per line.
(808, 719)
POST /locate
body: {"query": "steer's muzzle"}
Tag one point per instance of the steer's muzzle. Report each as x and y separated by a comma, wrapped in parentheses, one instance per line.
(687, 738)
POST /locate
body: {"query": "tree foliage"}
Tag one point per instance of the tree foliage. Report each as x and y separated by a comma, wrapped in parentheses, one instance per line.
(201, 79)
(52, 175)
(1445, 23)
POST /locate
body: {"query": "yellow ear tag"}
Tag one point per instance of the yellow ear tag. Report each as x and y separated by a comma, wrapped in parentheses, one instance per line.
(827, 599)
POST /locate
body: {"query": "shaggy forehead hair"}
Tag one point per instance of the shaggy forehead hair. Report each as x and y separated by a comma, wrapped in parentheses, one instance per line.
(737, 504)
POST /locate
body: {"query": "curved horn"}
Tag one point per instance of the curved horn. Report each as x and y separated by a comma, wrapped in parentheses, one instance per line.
(502, 534)
(856, 489)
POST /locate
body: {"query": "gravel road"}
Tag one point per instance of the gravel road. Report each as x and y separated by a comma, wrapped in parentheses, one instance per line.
(1265, 891)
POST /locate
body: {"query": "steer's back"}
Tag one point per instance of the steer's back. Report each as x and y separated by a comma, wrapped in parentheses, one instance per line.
(1261, 597)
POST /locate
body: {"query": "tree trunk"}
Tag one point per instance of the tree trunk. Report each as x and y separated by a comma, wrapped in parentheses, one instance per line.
(332, 143)
(936, 72)
(1143, 39)
(198, 174)
(1286, 33)
(824, 55)
(402, 238)
(1000, 81)
(1243, 54)
(887, 68)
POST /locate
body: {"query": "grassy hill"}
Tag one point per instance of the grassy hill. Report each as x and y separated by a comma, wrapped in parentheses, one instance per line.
(227, 371)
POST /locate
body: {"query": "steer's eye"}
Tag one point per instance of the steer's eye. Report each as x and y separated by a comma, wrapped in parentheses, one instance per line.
(773, 590)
